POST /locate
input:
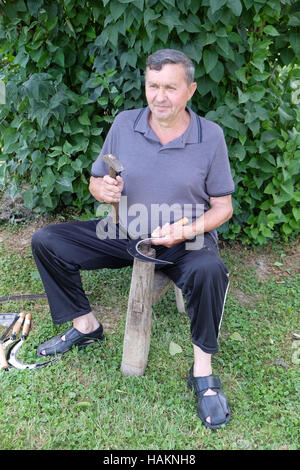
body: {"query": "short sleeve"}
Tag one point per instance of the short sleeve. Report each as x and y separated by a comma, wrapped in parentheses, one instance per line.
(219, 181)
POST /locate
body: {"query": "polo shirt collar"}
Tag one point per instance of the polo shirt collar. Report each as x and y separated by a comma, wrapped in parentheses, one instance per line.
(190, 136)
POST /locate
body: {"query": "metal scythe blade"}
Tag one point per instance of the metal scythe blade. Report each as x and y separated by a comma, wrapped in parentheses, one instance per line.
(3, 360)
(134, 250)
(134, 246)
(13, 361)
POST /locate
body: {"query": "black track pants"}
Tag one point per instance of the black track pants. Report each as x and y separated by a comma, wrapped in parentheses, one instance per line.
(62, 250)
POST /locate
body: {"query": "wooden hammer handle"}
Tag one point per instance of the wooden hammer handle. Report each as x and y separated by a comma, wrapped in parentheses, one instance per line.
(182, 221)
(115, 205)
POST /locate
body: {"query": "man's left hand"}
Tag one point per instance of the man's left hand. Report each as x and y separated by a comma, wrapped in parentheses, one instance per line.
(169, 234)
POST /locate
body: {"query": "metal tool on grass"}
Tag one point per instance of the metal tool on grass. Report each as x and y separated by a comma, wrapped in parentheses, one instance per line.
(12, 358)
(136, 247)
(3, 360)
(15, 331)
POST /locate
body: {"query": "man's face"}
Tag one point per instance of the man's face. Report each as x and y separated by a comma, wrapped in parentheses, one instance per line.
(167, 93)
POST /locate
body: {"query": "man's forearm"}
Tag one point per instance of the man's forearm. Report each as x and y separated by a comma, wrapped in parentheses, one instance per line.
(212, 219)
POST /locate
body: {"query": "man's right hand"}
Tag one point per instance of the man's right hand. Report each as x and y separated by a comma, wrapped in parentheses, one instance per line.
(106, 189)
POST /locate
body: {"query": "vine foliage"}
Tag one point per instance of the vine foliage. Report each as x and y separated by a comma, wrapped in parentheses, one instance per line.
(69, 67)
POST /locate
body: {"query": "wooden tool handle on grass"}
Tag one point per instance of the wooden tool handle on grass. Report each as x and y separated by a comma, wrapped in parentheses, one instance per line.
(3, 361)
(26, 326)
(18, 324)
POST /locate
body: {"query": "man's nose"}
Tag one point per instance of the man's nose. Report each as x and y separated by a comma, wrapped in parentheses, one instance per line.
(161, 95)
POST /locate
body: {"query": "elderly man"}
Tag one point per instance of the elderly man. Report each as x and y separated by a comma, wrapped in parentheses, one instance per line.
(171, 156)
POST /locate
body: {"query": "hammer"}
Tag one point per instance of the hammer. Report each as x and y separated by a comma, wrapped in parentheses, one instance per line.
(115, 169)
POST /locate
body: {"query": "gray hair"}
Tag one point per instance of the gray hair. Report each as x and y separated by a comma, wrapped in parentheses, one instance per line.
(170, 56)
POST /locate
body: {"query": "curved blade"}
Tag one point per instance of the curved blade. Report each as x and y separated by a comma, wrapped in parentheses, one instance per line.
(7, 344)
(14, 362)
(134, 250)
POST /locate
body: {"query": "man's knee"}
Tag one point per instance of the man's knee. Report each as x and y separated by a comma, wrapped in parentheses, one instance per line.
(41, 238)
(210, 270)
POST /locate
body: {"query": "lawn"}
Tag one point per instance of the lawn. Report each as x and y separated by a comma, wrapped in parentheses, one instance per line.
(83, 401)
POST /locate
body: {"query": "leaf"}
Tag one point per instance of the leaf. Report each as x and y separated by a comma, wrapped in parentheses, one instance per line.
(170, 18)
(210, 59)
(83, 405)
(150, 15)
(296, 213)
(256, 92)
(215, 5)
(294, 38)
(28, 198)
(174, 348)
(236, 337)
(34, 6)
(217, 73)
(63, 160)
(235, 6)
(84, 119)
(271, 31)
(63, 183)
(59, 58)
(117, 9)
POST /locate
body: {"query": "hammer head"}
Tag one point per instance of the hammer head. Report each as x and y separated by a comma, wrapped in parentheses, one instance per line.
(113, 162)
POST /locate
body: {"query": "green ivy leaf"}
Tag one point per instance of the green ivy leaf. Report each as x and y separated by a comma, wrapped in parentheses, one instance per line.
(294, 38)
(28, 198)
(296, 213)
(150, 15)
(210, 59)
(170, 18)
(235, 6)
(271, 31)
(84, 119)
(117, 9)
(63, 184)
(59, 58)
(217, 73)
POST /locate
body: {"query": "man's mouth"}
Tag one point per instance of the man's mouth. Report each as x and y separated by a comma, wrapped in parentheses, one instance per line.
(161, 106)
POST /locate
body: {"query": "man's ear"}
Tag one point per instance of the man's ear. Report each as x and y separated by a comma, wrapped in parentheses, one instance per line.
(192, 89)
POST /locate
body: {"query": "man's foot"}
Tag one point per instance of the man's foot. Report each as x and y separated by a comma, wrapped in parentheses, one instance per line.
(213, 408)
(63, 343)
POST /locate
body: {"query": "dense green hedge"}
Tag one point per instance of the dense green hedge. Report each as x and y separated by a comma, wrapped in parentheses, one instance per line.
(69, 66)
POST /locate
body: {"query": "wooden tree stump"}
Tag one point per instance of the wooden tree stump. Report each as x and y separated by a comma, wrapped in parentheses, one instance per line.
(139, 317)
(147, 288)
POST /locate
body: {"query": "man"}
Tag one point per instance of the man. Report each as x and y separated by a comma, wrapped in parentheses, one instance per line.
(171, 156)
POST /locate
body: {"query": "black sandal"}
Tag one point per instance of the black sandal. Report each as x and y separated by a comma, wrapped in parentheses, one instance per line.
(73, 337)
(214, 406)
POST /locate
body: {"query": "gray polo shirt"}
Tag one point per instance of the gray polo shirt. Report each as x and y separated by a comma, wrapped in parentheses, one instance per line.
(162, 183)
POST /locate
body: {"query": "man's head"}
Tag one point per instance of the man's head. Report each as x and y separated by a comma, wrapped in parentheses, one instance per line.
(169, 84)
(170, 56)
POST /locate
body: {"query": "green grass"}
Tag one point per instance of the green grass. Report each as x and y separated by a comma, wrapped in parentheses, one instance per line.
(84, 402)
